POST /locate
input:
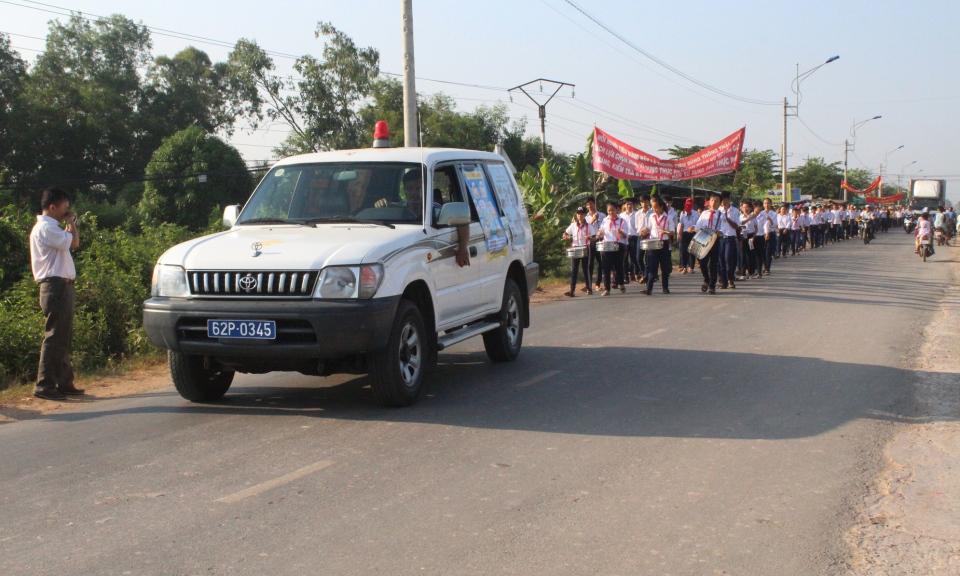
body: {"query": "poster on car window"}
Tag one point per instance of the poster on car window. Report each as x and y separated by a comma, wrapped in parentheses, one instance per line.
(493, 232)
(514, 211)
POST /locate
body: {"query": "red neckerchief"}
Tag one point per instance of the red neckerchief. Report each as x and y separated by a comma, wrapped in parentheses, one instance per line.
(577, 234)
(660, 224)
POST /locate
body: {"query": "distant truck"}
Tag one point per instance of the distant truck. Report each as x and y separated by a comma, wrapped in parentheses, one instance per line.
(927, 194)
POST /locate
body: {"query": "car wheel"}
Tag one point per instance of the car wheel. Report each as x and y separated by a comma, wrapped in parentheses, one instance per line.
(397, 373)
(503, 344)
(198, 380)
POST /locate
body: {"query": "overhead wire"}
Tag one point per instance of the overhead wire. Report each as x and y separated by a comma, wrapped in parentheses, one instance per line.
(676, 71)
(815, 134)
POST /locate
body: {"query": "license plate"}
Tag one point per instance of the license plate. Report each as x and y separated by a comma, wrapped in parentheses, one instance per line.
(258, 329)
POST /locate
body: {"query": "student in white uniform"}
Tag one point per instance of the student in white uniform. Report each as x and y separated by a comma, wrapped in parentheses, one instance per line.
(729, 226)
(660, 226)
(631, 264)
(747, 261)
(594, 221)
(639, 221)
(710, 262)
(613, 229)
(686, 224)
(578, 234)
(769, 232)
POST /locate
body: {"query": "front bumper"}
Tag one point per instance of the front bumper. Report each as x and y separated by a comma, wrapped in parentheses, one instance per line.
(314, 329)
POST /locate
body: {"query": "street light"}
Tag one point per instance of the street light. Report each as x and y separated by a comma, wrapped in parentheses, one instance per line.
(882, 162)
(795, 87)
(848, 147)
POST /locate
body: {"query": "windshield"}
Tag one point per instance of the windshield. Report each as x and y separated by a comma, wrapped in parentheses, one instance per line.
(378, 191)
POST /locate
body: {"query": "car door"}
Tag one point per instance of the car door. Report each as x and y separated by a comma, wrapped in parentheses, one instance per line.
(457, 289)
(494, 244)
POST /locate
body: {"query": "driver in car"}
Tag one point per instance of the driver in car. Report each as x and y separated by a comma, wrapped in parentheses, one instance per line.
(413, 192)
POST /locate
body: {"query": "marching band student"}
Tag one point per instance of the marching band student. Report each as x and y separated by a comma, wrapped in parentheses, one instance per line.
(594, 221)
(710, 262)
(686, 226)
(729, 229)
(747, 263)
(631, 264)
(613, 229)
(660, 226)
(639, 222)
(796, 231)
(770, 235)
(579, 235)
(759, 239)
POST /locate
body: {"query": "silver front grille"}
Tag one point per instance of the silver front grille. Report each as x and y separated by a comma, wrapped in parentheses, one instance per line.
(253, 283)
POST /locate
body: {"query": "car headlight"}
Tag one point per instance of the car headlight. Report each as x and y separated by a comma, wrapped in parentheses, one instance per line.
(350, 281)
(169, 281)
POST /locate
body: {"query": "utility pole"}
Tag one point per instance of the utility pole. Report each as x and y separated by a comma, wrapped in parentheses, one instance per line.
(542, 108)
(783, 155)
(409, 78)
(846, 151)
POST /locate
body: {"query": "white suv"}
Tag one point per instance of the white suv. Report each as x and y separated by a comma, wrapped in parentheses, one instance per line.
(333, 266)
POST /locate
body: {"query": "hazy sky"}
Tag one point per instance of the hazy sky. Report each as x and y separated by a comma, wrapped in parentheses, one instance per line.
(897, 59)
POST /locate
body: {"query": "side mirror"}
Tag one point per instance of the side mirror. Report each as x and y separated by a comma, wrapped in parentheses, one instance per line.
(230, 214)
(454, 214)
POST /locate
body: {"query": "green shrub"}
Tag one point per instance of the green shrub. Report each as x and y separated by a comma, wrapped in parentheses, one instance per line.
(114, 270)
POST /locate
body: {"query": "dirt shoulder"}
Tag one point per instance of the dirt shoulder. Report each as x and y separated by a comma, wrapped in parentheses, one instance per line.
(18, 403)
(909, 523)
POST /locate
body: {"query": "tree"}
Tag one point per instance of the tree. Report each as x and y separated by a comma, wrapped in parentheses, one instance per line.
(817, 178)
(174, 192)
(12, 72)
(859, 178)
(757, 173)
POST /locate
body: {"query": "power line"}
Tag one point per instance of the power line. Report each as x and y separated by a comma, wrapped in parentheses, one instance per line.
(814, 133)
(664, 64)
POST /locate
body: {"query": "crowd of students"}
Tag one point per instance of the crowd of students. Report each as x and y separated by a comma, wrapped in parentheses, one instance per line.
(749, 239)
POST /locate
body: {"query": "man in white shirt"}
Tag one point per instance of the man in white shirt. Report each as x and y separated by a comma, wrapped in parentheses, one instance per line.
(783, 230)
(53, 268)
(613, 229)
(729, 226)
(769, 231)
(639, 221)
(660, 225)
(686, 224)
(748, 258)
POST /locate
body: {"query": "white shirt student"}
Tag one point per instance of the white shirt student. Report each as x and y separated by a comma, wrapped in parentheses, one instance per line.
(50, 250)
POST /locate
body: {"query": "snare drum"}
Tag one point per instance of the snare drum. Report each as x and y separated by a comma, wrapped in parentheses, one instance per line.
(651, 244)
(577, 252)
(608, 246)
(702, 242)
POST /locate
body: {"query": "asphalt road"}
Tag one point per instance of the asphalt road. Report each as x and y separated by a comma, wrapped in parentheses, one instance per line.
(683, 434)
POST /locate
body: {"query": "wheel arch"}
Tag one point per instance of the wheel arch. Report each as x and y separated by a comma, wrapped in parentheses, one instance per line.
(516, 273)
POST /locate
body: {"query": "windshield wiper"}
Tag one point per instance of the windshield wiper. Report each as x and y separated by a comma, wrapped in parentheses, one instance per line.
(278, 221)
(351, 219)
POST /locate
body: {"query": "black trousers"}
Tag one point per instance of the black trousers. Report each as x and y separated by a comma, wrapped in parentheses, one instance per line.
(57, 300)
(632, 258)
(764, 251)
(575, 264)
(659, 259)
(748, 258)
(686, 258)
(783, 241)
(710, 265)
(613, 262)
(595, 261)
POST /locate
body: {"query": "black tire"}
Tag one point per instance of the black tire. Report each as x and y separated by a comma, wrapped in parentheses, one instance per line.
(194, 381)
(395, 379)
(923, 253)
(503, 344)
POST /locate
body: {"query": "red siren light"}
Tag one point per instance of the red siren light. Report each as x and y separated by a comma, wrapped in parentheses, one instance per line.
(381, 135)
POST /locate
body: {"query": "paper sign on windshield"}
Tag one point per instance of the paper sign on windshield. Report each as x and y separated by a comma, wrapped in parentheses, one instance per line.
(514, 212)
(494, 234)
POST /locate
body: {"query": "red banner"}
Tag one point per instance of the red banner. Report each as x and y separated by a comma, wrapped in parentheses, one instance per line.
(873, 186)
(623, 161)
(885, 199)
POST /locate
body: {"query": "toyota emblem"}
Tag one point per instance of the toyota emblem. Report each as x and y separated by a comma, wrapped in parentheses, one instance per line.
(256, 246)
(248, 283)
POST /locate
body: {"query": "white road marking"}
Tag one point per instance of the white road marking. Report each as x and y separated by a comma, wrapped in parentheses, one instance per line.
(539, 378)
(654, 333)
(285, 479)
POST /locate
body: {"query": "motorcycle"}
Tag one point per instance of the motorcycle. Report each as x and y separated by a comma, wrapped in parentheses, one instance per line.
(864, 232)
(926, 247)
(938, 234)
(908, 224)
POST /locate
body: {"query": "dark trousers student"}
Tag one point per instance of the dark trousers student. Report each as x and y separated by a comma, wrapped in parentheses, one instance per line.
(760, 251)
(728, 260)
(659, 259)
(575, 265)
(686, 258)
(710, 266)
(613, 263)
(633, 258)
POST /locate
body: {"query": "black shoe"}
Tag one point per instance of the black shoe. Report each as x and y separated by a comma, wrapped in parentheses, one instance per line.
(648, 291)
(49, 394)
(70, 390)
(711, 291)
(705, 287)
(666, 290)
